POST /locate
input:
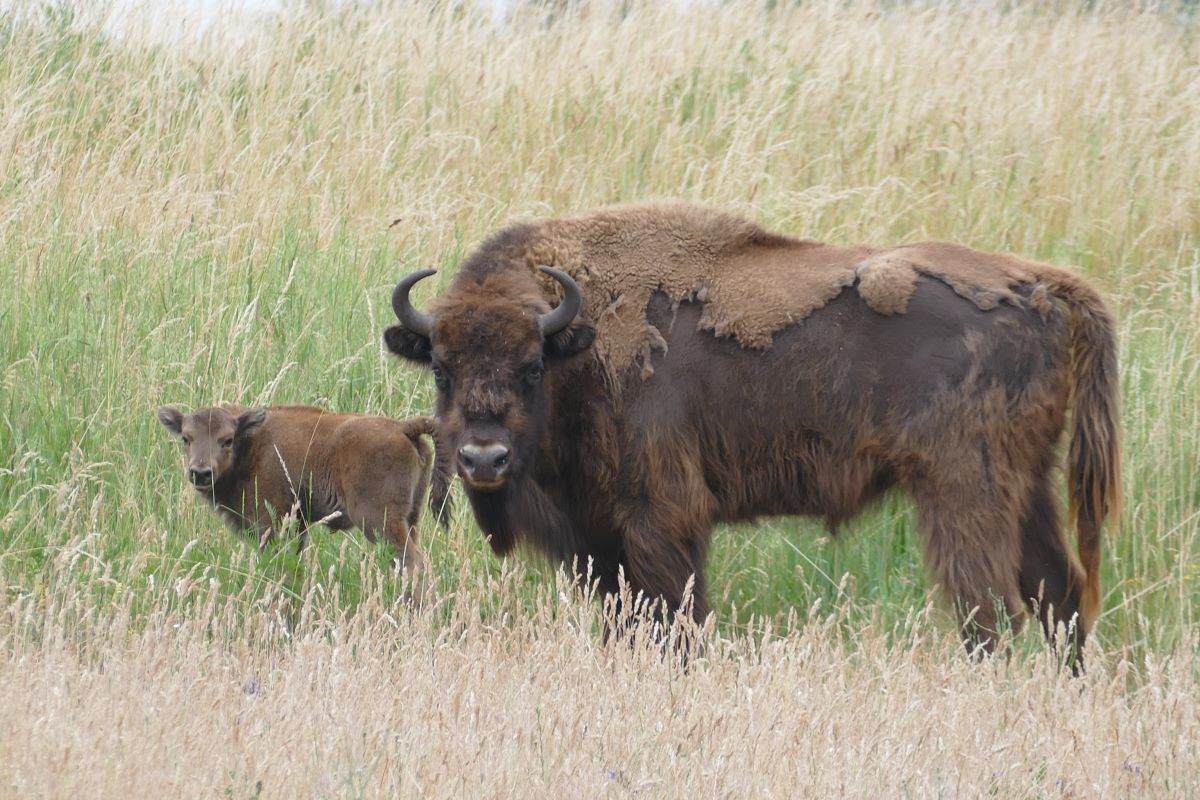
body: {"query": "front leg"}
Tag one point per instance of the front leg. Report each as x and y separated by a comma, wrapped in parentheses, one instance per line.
(663, 554)
(255, 526)
(301, 539)
(666, 525)
(256, 512)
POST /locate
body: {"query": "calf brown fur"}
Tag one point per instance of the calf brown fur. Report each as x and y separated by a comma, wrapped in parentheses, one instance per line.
(258, 466)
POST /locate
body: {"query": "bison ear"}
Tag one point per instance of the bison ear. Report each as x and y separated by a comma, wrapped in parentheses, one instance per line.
(171, 419)
(250, 421)
(406, 344)
(573, 339)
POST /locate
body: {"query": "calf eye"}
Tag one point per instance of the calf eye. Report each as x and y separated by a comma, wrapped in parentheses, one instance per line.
(186, 440)
(227, 443)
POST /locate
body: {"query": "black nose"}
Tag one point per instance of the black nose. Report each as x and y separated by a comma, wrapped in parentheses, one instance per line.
(200, 477)
(484, 463)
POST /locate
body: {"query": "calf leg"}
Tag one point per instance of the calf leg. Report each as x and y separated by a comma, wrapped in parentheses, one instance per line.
(407, 557)
(260, 515)
(375, 485)
(421, 486)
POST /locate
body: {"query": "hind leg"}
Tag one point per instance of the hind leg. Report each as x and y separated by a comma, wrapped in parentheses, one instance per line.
(972, 547)
(377, 518)
(417, 500)
(407, 556)
(420, 486)
(1050, 584)
(375, 486)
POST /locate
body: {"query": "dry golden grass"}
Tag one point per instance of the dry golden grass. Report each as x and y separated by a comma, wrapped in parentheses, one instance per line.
(195, 216)
(387, 704)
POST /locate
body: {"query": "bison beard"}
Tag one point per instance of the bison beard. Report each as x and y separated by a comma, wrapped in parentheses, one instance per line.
(737, 373)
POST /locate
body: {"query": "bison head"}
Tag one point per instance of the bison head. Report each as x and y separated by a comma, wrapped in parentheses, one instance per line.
(493, 344)
(211, 437)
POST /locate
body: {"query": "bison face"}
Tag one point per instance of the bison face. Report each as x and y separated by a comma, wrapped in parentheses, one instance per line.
(493, 346)
(211, 437)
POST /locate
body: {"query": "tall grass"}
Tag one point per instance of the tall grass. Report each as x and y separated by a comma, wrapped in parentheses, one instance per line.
(219, 214)
(385, 703)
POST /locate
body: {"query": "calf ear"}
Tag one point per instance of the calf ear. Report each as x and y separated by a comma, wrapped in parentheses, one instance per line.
(171, 419)
(406, 344)
(250, 421)
(575, 338)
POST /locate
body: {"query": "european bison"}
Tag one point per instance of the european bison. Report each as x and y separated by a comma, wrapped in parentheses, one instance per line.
(699, 369)
(256, 466)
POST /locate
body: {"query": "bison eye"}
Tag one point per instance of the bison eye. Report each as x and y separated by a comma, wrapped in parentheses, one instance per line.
(440, 378)
(534, 372)
(227, 443)
(186, 440)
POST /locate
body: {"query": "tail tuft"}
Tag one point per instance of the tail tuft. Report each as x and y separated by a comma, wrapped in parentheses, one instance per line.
(1094, 457)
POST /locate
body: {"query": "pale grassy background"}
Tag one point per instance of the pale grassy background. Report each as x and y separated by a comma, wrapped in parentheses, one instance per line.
(221, 215)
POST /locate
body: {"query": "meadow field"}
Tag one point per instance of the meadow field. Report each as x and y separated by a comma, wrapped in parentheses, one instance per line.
(197, 214)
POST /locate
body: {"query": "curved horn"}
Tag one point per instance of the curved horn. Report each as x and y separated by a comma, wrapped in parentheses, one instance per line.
(554, 321)
(410, 318)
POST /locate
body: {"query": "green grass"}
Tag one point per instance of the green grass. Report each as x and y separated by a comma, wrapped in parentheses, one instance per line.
(191, 224)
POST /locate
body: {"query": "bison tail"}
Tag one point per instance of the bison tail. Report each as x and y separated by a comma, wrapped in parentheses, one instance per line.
(437, 458)
(1094, 456)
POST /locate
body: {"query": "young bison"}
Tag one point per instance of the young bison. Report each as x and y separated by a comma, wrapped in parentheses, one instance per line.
(257, 466)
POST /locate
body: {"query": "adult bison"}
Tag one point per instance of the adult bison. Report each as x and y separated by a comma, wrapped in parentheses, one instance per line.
(699, 369)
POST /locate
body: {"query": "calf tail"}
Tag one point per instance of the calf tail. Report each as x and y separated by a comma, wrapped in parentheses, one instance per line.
(1094, 457)
(437, 462)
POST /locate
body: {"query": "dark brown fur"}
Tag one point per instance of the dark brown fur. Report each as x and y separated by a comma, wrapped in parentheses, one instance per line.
(343, 470)
(948, 373)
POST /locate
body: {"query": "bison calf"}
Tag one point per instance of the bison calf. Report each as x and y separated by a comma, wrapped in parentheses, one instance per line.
(257, 466)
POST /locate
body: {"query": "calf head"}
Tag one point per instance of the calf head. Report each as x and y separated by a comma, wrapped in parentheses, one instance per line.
(493, 344)
(212, 438)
